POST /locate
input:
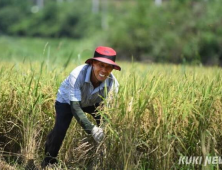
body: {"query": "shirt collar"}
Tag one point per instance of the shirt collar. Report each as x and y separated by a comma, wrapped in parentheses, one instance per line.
(88, 74)
(106, 84)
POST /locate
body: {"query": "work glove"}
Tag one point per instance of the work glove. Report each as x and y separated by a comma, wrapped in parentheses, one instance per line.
(97, 134)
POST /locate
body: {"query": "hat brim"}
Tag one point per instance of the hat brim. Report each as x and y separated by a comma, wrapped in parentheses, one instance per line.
(104, 60)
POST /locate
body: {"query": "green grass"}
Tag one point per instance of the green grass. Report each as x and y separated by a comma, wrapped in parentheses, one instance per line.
(41, 49)
(162, 111)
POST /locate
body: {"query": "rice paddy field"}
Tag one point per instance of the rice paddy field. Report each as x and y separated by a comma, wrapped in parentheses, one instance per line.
(162, 112)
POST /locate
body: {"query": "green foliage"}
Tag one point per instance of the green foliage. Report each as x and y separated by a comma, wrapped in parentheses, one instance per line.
(11, 13)
(176, 31)
(8, 18)
(172, 32)
(59, 20)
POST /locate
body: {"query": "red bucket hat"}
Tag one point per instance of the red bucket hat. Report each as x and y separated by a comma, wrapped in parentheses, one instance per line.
(106, 55)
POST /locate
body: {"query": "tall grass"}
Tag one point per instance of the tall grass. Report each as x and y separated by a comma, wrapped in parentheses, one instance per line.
(162, 112)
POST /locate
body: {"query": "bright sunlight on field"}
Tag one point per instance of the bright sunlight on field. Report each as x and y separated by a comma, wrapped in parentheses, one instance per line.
(162, 112)
(167, 114)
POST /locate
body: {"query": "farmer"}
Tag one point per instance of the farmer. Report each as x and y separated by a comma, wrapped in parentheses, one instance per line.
(82, 91)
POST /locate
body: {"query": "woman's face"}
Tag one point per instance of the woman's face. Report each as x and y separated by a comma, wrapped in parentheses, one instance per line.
(100, 71)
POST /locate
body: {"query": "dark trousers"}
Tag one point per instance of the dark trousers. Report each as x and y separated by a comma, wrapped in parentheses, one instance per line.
(62, 122)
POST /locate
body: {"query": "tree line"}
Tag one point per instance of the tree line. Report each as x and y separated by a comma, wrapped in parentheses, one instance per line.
(187, 31)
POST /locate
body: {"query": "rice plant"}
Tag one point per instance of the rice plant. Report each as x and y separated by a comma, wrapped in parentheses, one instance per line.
(161, 112)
